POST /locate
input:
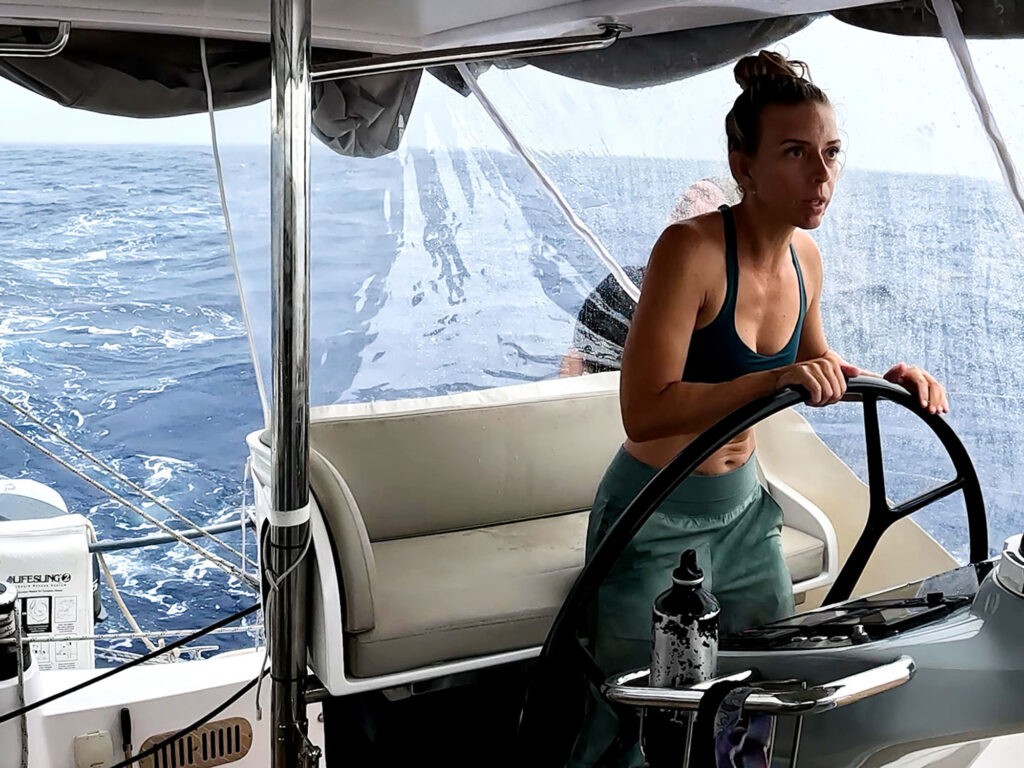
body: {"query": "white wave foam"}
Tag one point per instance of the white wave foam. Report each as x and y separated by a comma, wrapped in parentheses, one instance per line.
(9, 369)
(179, 340)
(92, 330)
(162, 383)
(22, 324)
(162, 469)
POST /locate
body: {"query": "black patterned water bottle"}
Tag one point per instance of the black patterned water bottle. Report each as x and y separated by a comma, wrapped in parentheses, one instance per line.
(684, 651)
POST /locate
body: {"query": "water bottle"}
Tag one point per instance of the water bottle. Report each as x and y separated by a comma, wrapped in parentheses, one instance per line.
(684, 651)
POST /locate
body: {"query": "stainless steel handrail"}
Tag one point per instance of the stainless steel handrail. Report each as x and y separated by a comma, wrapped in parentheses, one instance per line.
(402, 62)
(38, 50)
(796, 701)
(162, 538)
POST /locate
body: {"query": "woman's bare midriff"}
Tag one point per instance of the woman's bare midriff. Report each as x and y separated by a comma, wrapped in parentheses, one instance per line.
(658, 453)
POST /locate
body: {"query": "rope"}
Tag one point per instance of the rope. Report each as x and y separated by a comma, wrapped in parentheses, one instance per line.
(124, 667)
(120, 602)
(246, 477)
(193, 726)
(231, 239)
(217, 560)
(272, 587)
(21, 687)
(116, 474)
(549, 186)
(954, 34)
(118, 655)
(117, 594)
(135, 635)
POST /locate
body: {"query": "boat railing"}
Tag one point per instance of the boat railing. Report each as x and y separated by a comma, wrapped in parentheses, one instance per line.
(793, 698)
(157, 539)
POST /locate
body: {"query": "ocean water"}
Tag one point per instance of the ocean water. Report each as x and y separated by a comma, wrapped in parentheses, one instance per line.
(434, 272)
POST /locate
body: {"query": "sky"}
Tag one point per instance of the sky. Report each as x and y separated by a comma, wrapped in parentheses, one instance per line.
(900, 102)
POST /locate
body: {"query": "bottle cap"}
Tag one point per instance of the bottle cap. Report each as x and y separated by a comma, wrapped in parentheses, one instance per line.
(688, 573)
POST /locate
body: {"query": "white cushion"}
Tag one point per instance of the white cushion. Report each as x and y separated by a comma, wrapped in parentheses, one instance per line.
(437, 464)
(469, 593)
(458, 522)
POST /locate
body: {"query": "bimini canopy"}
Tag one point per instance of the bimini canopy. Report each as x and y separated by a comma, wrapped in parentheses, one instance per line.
(142, 74)
(143, 59)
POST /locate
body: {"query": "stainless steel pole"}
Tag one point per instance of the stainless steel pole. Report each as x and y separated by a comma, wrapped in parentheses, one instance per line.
(289, 517)
(403, 62)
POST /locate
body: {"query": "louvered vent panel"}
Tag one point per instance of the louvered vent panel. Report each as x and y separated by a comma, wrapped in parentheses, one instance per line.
(217, 743)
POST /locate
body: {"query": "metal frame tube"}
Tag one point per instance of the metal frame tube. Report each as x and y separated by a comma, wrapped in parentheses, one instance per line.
(291, 81)
(39, 50)
(377, 65)
(289, 488)
(161, 538)
(797, 701)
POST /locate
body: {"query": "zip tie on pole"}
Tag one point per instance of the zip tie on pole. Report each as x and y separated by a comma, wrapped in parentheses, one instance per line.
(288, 518)
(284, 518)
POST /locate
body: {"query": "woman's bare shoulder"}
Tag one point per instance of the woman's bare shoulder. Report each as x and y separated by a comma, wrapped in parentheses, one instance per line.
(684, 246)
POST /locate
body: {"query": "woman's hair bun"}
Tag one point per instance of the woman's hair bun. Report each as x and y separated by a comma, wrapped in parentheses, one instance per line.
(768, 64)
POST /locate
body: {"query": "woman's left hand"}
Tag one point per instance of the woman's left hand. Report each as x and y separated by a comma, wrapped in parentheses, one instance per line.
(921, 383)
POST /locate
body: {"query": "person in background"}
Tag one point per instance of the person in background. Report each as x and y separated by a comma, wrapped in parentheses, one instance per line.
(603, 320)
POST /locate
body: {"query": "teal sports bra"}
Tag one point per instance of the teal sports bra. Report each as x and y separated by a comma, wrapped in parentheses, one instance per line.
(717, 353)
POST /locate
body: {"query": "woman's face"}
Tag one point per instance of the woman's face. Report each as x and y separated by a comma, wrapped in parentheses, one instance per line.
(793, 172)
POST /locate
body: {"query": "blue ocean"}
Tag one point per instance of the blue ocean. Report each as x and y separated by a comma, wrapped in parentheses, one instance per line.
(433, 272)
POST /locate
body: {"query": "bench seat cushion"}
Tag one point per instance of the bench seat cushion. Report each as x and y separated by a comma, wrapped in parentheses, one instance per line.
(448, 596)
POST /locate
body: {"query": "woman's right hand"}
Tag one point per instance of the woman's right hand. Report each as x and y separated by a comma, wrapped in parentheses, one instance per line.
(824, 377)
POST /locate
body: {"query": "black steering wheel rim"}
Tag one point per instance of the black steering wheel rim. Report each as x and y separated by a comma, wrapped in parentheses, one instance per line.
(881, 514)
(540, 740)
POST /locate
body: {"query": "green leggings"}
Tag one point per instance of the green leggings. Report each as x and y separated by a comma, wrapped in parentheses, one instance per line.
(734, 526)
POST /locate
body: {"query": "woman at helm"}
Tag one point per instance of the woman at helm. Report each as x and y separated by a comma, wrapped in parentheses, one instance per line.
(730, 311)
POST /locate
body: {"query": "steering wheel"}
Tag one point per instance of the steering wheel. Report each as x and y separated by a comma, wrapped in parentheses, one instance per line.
(562, 649)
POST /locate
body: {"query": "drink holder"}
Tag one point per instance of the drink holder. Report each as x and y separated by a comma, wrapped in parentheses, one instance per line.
(792, 698)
